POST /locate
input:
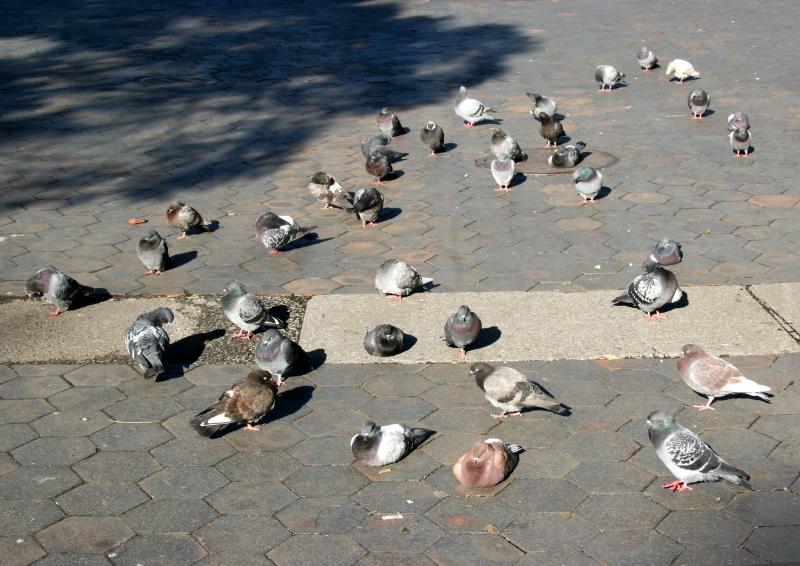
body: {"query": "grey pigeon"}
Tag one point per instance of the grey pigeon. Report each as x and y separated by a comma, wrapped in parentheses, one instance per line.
(608, 76)
(470, 110)
(698, 103)
(738, 120)
(588, 182)
(550, 129)
(275, 231)
(647, 60)
(487, 463)
(542, 105)
(185, 218)
(687, 457)
(380, 144)
(327, 190)
(279, 355)
(367, 203)
(432, 135)
(57, 288)
(384, 340)
(398, 279)
(378, 166)
(246, 311)
(510, 391)
(379, 446)
(462, 329)
(503, 146)
(740, 141)
(682, 70)
(146, 340)
(153, 252)
(246, 402)
(666, 252)
(388, 123)
(651, 291)
(714, 377)
(503, 172)
(566, 156)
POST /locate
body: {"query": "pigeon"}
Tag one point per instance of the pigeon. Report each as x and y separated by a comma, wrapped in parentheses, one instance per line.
(153, 252)
(682, 70)
(646, 59)
(57, 288)
(740, 141)
(503, 172)
(608, 76)
(246, 402)
(487, 463)
(432, 135)
(380, 144)
(510, 391)
(698, 103)
(379, 446)
(462, 329)
(542, 104)
(398, 279)
(687, 457)
(184, 218)
(470, 110)
(738, 120)
(504, 145)
(651, 291)
(327, 191)
(567, 155)
(146, 340)
(246, 311)
(275, 231)
(714, 377)
(378, 166)
(367, 203)
(384, 340)
(666, 252)
(588, 182)
(389, 124)
(279, 355)
(550, 129)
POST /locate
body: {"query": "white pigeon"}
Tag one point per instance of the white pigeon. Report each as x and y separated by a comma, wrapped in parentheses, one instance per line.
(470, 110)
(682, 70)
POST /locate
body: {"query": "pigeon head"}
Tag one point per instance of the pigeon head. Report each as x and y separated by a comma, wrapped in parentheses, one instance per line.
(235, 287)
(271, 335)
(385, 110)
(161, 316)
(740, 134)
(387, 330)
(659, 420)
(430, 126)
(464, 315)
(692, 350)
(259, 377)
(369, 428)
(322, 178)
(643, 50)
(582, 174)
(151, 236)
(175, 206)
(480, 372)
(545, 118)
(480, 451)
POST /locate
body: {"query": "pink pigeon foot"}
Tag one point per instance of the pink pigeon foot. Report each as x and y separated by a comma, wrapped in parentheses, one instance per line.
(183, 236)
(327, 206)
(656, 316)
(647, 70)
(707, 406)
(378, 182)
(677, 486)
(467, 125)
(274, 252)
(396, 298)
(249, 426)
(433, 154)
(463, 355)
(54, 313)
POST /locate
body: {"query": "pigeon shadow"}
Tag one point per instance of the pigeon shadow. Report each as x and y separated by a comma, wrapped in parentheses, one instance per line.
(176, 261)
(288, 402)
(280, 312)
(449, 146)
(563, 139)
(394, 175)
(388, 213)
(487, 337)
(409, 340)
(686, 80)
(182, 354)
(430, 286)
(708, 113)
(518, 178)
(212, 226)
(603, 193)
(405, 130)
(583, 155)
(684, 302)
(305, 242)
(97, 296)
(314, 360)
(558, 117)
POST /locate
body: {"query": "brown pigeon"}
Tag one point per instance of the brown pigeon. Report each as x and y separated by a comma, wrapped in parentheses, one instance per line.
(246, 402)
(487, 463)
(510, 391)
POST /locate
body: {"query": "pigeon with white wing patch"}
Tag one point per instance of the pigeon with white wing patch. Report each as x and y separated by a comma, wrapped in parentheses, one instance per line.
(379, 446)
(246, 402)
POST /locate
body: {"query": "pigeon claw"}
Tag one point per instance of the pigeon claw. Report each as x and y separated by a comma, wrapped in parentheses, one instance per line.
(396, 298)
(707, 406)
(656, 316)
(249, 426)
(274, 252)
(677, 485)
(54, 313)
(463, 355)
(468, 124)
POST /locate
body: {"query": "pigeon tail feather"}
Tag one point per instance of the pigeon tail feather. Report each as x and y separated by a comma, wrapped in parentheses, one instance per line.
(623, 299)
(420, 435)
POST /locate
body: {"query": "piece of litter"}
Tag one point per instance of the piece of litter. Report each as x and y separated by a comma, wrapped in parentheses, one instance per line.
(466, 175)
(385, 470)
(112, 554)
(598, 266)
(20, 540)
(409, 502)
(394, 517)
(630, 264)
(490, 528)
(84, 419)
(404, 530)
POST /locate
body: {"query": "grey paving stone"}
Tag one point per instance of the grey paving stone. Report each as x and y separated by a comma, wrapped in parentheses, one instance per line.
(169, 516)
(625, 381)
(321, 515)
(18, 551)
(73, 560)
(461, 548)
(7, 464)
(183, 482)
(164, 549)
(138, 409)
(383, 535)
(131, 437)
(548, 558)
(274, 435)
(191, 452)
(149, 388)
(737, 443)
(767, 508)
(415, 467)
(102, 499)
(225, 558)
(113, 466)
(716, 556)
(542, 495)
(448, 448)
(394, 559)
(71, 423)
(241, 534)
(322, 451)
(54, 451)
(325, 481)
(85, 398)
(251, 498)
(327, 548)
(23, 410)
(331, 423)
(27, 517)
(84, 535)
(621, 511)
(471, 515)
(13, 435)
(633, 547)
(397, 385)
(101, 375)
(396, 497)
(337, 397)
(32, 387)
(37, 482)
(258, 466)
(544, 463)
(775, 544)
(549, 531)
(600, 445)
(609, 477)
(397, 409)
(462, 420)
(704, 528)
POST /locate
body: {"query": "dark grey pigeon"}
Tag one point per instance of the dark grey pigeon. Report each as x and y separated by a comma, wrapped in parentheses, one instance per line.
(398, 279)
(57, 288)
(278, 231)
(651, 291)
(647, 60)
(550, 129)
(698, 102)
(542, 105)
(379, 446)
(740, 141)
(432, 135)
(567, 155)
(246, 402)
(279, 355)
(146, 340)
(378, 166)
(504, 146)
(246, 311)
(153, 252)
(738, 120)
(510, 391)
(608, 76)
(384, 340)
(327, 190)
(666, 252)
(269, 220)
(388, 123)
(687, 457)
(380, 144)
(367, 203)
(462, 329)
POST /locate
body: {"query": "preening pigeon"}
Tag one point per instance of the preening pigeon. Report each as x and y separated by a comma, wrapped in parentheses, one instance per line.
(384, 340)
(699, 101)
(146, 340)
(470, 110)
(503, 145)
(687, 457)
(462, 329)
(542, 105)
(388, 123)
(432, 135)
(503, 172)
(588, 182)
(567, 155)
(367, 203)
(738, 120)
(608, 76)
(398, 279)
(380, 144)
(682, 70)
(279, 355)
(487, 463)
(328, 191)
(185, 218)
(246, 402)
(275, 231)
(651, 291)
(246, 311)
(666, 252)
(153, 253)
(740, 141)
(550, 129)
(379, 446)
(510, 391)
(714, 377)
(57, 288)
(378, 166)
(646, 59)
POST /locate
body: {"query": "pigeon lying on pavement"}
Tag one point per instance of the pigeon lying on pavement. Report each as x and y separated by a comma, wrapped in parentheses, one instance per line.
(185, 218)
(647, 60)
(398, 279)
(379, 446)
(651, 291)
(487, 463)
(432, 135)
(153, 253)
(384, 340)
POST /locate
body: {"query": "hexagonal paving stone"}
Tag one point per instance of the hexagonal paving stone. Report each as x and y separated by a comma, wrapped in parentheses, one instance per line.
(625, 381)
(73, 560)
(325, 481)
(26, 517)
(17, 551)
(471, 515)
(396, 497)
(386, 410)
(600, 445)
(610, 477)
(227, 558)
(394, 385)
(99, 375)
(71, 423)
(136, 409)
(317, 548)
(620, 511)
(37, 482)
(85, 398)
(448, 448)
(461, 420)
(544, 463)
(102, 499)
(251, 498)
(323, 451)
(149, 388)
(543, 495)
(551, 531)
(779, 427)
(633, 547)
(717, 556)
(242, 534)
(463, 548)
(191, 452)
(163, 549)
(705, 496)
(258, 466)
(183, 482)
(14, 435)
(737, 443)
(85, 535)
(448, 396)
(775, 544)
(412, 533)
(111, 466)
(331, 423)
(767, 509)
(33, 387)
(23, 410)
(321, 515)
(274, 435)
(169, 516)
(53, 450)
(125, 436)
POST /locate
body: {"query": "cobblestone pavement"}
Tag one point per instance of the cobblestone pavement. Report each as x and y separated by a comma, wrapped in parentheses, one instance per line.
(99, 465)
(110, 110)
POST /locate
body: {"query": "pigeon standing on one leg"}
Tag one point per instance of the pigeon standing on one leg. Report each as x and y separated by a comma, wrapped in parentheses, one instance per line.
(588, 182)
(432, 135)
(398, 279)
(510, 391)
(379, 446)
(608, 76)
(367, 203)
(462, 329)
(647, 60)
(651, 291)
(279, 355)
(740, 141)
(698, 103)
(682, 70)
(567, 155)
(542, 105)
(246, 402)
(185, 218)
(57, 288)
(246, 311)
(153, 252)
(470, 110)
(388, 123)
(687, 457)
(384, 340)
(487, 463)
(146, 340)
(503, 172)
(550, 130)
